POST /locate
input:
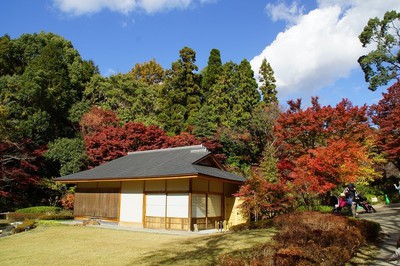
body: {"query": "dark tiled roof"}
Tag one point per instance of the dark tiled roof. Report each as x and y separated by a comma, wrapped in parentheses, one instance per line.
(155, 163)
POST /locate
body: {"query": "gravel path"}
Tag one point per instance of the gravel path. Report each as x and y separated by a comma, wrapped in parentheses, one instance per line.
(389, 218)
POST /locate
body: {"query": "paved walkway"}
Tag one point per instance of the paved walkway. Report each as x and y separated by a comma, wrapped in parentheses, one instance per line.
(115, 226)
(389, 218)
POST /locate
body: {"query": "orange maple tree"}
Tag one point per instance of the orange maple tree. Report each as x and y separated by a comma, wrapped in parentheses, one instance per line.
(322, 147)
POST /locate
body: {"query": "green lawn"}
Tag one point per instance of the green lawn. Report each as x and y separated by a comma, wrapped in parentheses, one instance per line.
(79, 245)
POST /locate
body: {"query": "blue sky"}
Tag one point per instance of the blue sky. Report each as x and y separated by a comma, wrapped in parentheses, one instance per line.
(312, 45)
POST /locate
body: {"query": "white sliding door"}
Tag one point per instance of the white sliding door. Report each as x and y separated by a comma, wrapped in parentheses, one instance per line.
(155, 205)
(177, 205)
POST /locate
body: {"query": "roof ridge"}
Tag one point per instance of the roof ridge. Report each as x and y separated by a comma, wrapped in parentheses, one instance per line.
(192, 147)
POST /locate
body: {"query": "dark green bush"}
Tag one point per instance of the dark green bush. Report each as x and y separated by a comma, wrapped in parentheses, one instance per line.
(26, 225)
(39, 209)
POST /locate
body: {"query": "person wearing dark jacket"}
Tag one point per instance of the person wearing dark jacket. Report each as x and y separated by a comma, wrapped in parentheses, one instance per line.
(350, 193)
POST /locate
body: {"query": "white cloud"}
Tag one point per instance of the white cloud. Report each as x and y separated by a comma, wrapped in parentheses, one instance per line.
(322, 47)
(282, 11)
(153, 6)
(81, 7)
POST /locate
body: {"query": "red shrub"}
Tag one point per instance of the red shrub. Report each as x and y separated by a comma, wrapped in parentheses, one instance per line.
(309, 238)
(67, 201)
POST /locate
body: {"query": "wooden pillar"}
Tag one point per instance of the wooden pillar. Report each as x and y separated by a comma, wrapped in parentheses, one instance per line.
(190, 205)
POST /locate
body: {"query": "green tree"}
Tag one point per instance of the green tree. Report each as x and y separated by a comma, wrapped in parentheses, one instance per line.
(180, 95)
(121, 93)
(244, 95)
(44, 78)
(211, 72)
(69, 154)
(383, 63)
(261, 129)
(220, 101)
(267, 79)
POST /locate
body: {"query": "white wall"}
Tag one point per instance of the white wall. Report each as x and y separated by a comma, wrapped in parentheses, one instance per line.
(131, 209)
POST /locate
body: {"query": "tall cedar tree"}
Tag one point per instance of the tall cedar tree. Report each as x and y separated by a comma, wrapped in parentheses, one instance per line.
(180, 95)
(323, 147)
(211, 73)
(386, 114)
(244, 95)
(267, 80)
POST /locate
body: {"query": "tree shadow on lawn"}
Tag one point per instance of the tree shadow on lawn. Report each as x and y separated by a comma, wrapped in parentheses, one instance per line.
(206, 250)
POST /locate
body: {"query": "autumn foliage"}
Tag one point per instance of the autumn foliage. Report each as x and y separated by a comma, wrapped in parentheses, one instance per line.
(309, 238)
(20, 167)
(264, 200)
(323, 147)
(112, 142)
(386, 114)
(97, 118)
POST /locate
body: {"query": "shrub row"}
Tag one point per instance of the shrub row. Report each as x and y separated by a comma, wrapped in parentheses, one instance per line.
(39, 209)
(309, 238)
(14, 216)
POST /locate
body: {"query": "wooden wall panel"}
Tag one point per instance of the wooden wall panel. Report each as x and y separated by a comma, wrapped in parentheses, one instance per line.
(199, 185)
(177, 223)
(155, 185)
(216, 186)
(97, 202)
(178, 185)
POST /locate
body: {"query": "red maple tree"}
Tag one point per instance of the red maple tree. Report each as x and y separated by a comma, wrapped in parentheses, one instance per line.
(262, 199)
(386, 114)
(20, 167)
(112, 142)
(322, 147)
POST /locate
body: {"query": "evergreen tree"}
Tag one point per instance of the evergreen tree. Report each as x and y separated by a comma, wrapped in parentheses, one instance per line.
(44, 76)
(130, 99)
(244, 95)
(220, 101)
(212, 72)
(180, 95)
(382, 64)
(267, 79)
